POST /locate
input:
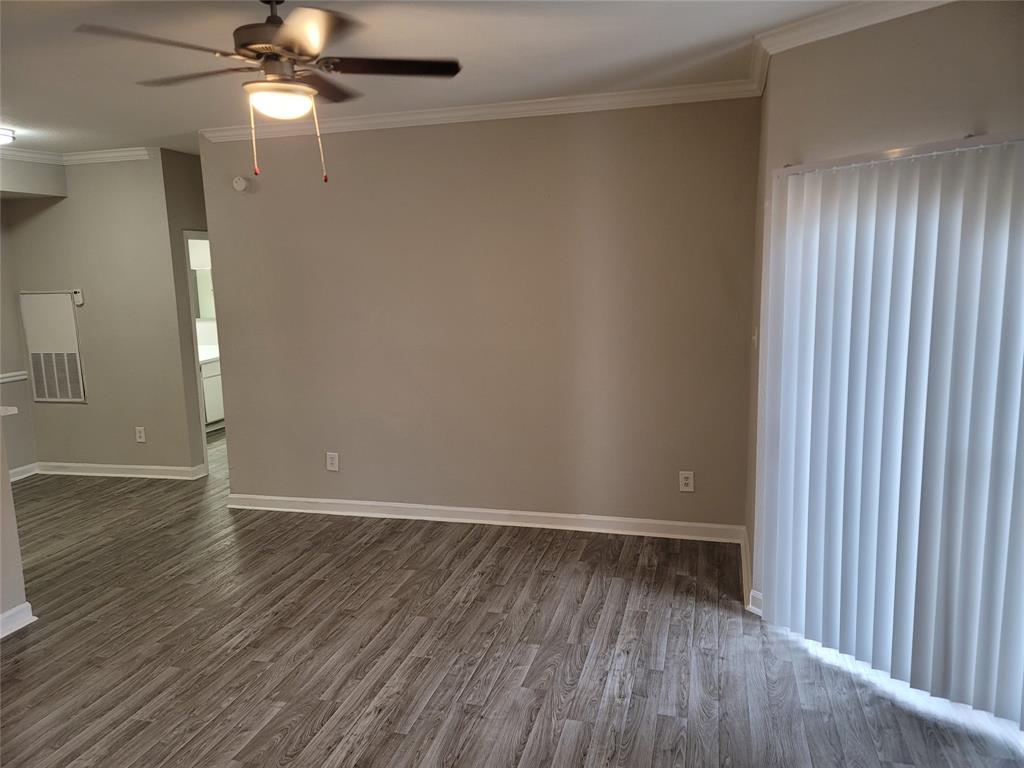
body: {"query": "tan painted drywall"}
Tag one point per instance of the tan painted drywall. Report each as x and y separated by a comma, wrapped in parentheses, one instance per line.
(186, 210)
(932, 76)
(12, 580)
(12, 340)
(110, 238)
(545, 314)
(19, 432)
(22, 179)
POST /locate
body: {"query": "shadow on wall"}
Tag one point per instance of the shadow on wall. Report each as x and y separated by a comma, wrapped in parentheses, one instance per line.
(26, 208)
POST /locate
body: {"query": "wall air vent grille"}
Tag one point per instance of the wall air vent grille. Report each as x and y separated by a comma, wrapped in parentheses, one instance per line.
(56, 377)
(38, 378)
(76, 392)
(51, 333)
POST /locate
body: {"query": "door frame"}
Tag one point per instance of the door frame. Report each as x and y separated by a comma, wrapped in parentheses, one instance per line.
(193, 308)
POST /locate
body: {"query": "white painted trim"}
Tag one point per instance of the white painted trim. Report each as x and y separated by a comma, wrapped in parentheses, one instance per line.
(15, 618)
(122, 470)
(74, 158)
(746, 562)
(193, 308)
(755, 602)
(12, 376)
(559, 105)
(819, 27)
(628, 526)
(836, 22)
(25, 470)
(759, 59)
(106, 156)
(31, 156)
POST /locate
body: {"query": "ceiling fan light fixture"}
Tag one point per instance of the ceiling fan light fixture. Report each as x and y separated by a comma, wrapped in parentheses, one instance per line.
(287, 54)
(280, 100)
(6, 135)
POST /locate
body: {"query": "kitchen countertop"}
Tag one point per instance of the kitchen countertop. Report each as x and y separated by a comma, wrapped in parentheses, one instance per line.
(208, 353)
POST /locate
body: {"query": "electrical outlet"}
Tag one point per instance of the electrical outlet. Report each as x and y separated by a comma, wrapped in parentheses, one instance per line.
(686, 481)
(140, 434)
(332, 462)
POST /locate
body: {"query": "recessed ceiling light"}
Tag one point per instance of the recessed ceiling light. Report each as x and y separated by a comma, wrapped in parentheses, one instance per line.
(6, 135)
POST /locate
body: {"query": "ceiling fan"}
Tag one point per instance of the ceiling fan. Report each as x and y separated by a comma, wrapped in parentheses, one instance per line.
(286, 53)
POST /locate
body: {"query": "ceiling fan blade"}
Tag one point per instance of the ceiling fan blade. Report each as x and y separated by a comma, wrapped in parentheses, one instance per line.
(326, 86)
(309, 30)
(414, 67)
(126, 34)
(176, 79)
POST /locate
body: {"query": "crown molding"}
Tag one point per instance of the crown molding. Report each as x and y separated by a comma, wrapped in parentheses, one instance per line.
(74, 158)
(31, 156)
(559, 105)
(844, 19)
(847, 18)
(106, 156)
(759, 58)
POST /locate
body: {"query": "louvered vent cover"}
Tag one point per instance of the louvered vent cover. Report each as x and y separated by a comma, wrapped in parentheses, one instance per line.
(56, 377)
(51, 331)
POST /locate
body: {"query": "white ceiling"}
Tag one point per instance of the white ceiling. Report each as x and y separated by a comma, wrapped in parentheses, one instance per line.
(64, 91)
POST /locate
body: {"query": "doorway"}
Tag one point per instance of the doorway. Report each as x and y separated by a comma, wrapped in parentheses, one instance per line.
(207, 344)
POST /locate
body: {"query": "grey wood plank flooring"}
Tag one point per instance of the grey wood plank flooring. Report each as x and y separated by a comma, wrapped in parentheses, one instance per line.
(174, 632)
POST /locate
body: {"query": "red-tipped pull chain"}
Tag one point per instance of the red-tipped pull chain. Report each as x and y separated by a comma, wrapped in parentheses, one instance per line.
(319, 142)
(252, 128)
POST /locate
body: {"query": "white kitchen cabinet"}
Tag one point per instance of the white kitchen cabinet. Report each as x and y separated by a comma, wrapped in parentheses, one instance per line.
(213, 394)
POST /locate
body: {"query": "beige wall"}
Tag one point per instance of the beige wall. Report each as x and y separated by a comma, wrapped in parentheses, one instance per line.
(18, 429)
(110, 237)
(932, 76)
(545, 314)
(186, 210)
(21, 179)
(12, 580)
(13, 356)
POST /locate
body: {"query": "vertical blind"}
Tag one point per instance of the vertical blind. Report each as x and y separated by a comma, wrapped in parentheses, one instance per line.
(890, 483)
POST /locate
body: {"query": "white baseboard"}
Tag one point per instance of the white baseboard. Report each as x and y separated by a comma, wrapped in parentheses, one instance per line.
(629, 526)
(121, 470)
(26, 470)
(14, 619)
(755, 602)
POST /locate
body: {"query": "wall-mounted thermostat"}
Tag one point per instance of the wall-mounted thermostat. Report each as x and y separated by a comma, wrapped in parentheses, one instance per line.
(240, 183)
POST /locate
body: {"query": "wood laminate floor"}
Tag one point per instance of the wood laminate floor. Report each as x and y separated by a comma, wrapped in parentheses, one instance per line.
(173, 632)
